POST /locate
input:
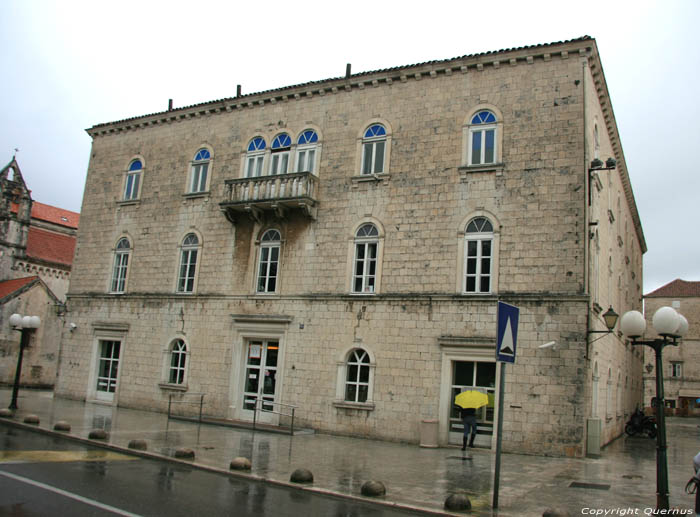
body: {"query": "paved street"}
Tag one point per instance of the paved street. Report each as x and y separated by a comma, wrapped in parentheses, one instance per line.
(415, 478)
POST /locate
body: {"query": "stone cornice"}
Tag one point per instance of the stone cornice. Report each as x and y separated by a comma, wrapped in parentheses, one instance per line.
(386, 77)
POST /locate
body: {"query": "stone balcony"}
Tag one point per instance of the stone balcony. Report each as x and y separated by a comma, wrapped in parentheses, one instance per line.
(273, 196)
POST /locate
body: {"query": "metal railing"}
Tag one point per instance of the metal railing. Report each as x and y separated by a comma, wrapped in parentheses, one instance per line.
(188, 403)
(262, 403)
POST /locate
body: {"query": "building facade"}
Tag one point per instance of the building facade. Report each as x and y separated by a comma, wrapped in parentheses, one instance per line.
(37, 242)
(340, 246)
(681, 363)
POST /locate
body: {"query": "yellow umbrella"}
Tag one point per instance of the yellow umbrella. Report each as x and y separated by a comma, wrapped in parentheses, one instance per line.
(471, 399)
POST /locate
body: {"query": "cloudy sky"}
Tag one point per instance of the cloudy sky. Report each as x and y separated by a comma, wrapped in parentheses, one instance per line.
(69, 65)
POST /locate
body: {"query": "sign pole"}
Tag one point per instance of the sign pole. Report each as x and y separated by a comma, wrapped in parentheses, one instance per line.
(499, 430)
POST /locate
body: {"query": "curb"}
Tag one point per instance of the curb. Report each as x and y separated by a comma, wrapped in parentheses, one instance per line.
(218, 470)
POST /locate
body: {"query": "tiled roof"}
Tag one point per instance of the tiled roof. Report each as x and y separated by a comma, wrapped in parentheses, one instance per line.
(10, 286)
(678, 288)
(52, 214)
(55, 215)
(50, 246)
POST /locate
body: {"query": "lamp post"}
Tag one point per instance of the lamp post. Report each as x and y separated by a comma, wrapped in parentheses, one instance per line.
(26, 325)
(671, 326)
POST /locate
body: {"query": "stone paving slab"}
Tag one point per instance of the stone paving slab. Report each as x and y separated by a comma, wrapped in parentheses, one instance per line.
(624, 477)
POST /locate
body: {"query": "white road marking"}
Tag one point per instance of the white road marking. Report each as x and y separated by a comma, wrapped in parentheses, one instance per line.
(70, 495)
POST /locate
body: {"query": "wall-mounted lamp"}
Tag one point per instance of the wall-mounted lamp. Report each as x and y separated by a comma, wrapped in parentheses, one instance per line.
(72, 327)
(649, 367)
(610, 317)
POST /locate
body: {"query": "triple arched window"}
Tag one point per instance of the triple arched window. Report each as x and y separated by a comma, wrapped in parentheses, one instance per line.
(283, 155)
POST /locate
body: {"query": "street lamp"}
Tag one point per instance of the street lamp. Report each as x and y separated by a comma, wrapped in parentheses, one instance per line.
(26, 325)
(671, 326)
(610, 319)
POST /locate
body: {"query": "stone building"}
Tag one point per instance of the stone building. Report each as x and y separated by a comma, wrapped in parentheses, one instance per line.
(37, 242)
(681, 364)
(340, 246)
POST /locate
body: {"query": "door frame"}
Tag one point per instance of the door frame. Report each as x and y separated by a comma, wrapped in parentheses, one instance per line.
(462, 349)
(106, 331)
(254, 327)
(263, 416)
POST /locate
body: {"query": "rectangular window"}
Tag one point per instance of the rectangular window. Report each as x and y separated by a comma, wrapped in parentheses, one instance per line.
(131, 189)
(267, 272)
(121, 263)
(199, 178)
(483, 146)
(254, 166)
(279, 162)
(478, 266)
(306, 160)
(365, 267)
(188, 264)
(676, 370)
(373, 157)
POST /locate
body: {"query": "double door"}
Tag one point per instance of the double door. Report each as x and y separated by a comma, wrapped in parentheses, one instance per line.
(260, 382)
(477, 376)
(107, 370)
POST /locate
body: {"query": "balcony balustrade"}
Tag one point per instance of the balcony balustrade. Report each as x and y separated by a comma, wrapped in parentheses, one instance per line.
(271, 195)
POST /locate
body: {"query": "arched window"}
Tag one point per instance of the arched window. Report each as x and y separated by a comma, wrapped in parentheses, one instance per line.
(268, 263)
(482, 138)
(133, 180)
(188, 264)
(306, 151)
(279, 154)
(373, 149)
(255, 157)
(121, 265)
(200, 170)
(478, 256)
(365, 266)
(178, 361)
(357, 378)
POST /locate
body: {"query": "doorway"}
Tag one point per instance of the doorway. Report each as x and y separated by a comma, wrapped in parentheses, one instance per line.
(478, 376)
(260, 381)
(107, 370)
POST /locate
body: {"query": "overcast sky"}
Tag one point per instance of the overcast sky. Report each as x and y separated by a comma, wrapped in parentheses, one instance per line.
(69, 65)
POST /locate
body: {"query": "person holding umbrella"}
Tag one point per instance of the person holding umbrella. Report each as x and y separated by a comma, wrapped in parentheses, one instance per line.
(468, 402)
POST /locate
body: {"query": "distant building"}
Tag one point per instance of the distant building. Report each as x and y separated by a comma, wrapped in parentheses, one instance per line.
(37, 243)
(681, 363)
(341, 245)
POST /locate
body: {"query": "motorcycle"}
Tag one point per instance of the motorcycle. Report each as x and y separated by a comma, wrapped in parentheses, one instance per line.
(639, 423)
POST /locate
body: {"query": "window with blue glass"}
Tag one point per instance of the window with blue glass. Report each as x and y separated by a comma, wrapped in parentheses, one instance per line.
(279, 154)
(200, 171)
(133, 180)
(373, 149)
(255, 157)
(482, 138)
(306, 151)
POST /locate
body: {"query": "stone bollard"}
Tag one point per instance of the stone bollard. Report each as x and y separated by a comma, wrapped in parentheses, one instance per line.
(31, 419)
(184, 453)
(139, 445)
(6, 413)
(62, 425)
(373, 489)
(302, 476)
(555, 512)
(458, 503)
(98, 434)
(240, 463)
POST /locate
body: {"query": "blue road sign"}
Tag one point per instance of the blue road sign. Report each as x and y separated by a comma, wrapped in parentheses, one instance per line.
(507, 332)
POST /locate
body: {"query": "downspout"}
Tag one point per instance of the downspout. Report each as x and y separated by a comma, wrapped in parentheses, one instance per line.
(586, 185)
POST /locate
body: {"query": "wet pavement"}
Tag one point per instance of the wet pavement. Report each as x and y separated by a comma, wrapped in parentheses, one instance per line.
(622, 479)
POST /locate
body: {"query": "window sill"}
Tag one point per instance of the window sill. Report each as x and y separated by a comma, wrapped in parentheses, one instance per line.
(196, 195)
(465, 170)
(128, 202)
(172, 387)
(374, 293)
(376, 178)
(362, 406)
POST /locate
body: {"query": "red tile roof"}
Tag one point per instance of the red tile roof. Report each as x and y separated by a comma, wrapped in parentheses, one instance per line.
(52, 214)
(50, 246)
(676, 289)
(55, 215)
(10, 286)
